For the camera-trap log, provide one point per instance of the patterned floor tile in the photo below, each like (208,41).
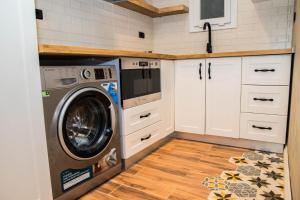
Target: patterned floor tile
(222,195)
(249,170)
(259,175)
(253,156)
(215,183)
(233,176)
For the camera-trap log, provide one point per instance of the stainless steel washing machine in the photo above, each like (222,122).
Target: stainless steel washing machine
(81,116)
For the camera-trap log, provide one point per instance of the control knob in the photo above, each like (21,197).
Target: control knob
(86,74)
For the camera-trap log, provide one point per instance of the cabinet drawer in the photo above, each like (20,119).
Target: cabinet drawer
(265,99)
(141,139)
(267,128)
(267,70)
(139,117)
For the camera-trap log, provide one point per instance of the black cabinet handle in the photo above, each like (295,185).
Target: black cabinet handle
(143,73)
(200,71)
(209,70)
(262,99)
(264,70)
(262,128)
(145,116)
(146,138)
(150,73)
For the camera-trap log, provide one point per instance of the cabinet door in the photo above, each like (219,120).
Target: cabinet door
(167,100)
(223,94)
(190,96)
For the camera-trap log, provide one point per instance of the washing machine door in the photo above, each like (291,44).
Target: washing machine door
(86,123)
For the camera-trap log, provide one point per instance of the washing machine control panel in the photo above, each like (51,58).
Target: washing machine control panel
(95,73)
(63,77)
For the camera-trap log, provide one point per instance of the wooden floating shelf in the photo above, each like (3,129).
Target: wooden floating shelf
(145,8)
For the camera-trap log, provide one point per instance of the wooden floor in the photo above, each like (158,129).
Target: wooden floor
(173,172)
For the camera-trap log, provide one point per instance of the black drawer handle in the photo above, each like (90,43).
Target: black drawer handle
(264,70)
(263,99)
(262,128)
(146,138)
(145,116)
(209,71)
(200,71)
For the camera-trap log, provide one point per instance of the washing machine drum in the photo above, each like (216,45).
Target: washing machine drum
(86,123)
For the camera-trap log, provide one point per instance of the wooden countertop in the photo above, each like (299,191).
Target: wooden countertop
(85,51)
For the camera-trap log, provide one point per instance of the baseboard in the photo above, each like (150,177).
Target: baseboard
(287,180)
(234,142)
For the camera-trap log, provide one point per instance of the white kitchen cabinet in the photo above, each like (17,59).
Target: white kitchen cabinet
(267,70)
(207,96)
(223,93)
(237,97)
(272,100)
(140,139)
(167,98)
(265,98)
(190,96)
(261,127)
(139,117)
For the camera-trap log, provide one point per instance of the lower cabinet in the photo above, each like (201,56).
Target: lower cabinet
(167,97)
(262,127)
(146,124)
(140,140)
(230,97)
(237,97)
(265,98)
(141,116)
(190,96)
(223,97)
(207,96)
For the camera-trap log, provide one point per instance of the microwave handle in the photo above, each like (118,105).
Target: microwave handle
(143,73)
(150,73)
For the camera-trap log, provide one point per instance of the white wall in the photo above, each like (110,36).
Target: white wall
(24,170)
(93,23)
(262,24)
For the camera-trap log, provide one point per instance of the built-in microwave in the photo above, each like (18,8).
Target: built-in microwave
(140,81)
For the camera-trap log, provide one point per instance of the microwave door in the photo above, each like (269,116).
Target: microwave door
(134,83)
(154,84)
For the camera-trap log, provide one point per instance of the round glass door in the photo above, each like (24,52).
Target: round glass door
(85,125)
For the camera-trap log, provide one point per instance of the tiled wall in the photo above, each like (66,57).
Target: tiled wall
(262,24)
(93,23)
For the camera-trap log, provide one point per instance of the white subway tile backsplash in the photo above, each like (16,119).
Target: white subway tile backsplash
(262,24)
(93,23)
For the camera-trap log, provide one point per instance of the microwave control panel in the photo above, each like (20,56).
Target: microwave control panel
(135,63)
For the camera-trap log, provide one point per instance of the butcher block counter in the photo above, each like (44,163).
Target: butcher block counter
(60,50)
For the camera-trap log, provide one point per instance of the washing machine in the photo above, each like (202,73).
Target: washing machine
(81,116)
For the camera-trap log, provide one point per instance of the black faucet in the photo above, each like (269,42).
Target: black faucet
(209,46)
